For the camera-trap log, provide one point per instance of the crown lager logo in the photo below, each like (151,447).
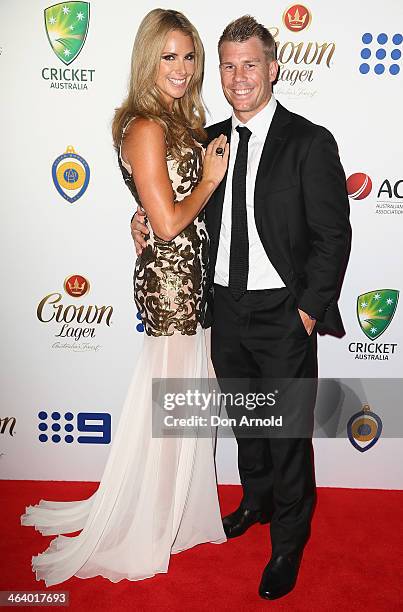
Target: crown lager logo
(375,311)
(67,26)
(364,429)
(71,175)
(297,17)
(79,322)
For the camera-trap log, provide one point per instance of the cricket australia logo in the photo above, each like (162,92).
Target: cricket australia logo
(67,26)
(375,311)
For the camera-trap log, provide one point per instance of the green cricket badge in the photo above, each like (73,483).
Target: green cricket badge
(67,26)
(375,311)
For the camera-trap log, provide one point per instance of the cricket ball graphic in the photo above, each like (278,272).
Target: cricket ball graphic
(359,186)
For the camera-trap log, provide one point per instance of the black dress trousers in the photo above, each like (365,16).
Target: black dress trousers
(261,336)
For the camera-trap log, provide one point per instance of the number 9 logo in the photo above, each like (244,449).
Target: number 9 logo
(85,424)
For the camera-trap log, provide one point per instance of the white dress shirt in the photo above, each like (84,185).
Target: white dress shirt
(262,274)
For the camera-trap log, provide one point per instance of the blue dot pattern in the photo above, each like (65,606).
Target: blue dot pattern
(379,68)
(139,326)
(55,426)
(384,55)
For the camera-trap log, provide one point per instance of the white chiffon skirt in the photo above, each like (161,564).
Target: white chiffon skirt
(157,496)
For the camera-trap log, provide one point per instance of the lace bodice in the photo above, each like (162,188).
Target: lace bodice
(169,276)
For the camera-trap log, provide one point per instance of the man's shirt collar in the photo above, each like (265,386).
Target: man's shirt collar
(260,123)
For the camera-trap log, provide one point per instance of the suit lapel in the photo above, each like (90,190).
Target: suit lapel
(214,208)
(276,136)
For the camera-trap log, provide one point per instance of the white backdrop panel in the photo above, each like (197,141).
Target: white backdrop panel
(47,239)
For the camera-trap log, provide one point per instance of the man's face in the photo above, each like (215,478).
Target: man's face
(246,76)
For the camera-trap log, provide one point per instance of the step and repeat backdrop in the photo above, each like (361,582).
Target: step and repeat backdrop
(70,331)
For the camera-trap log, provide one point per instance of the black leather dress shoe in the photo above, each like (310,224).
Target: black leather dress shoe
(238,522)
(279,576)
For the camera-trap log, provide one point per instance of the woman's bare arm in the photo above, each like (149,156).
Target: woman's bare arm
(144,149)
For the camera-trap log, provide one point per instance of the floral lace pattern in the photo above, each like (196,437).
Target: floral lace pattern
(169,276)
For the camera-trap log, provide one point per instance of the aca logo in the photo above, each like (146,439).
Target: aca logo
(381,54)
(375,311)
(389,194)
(300,59)
(364,429)
(76,322)
(7,424)
(57,427)
(297,17)
(71,175)
(359,186)
(66,26)
(140,324)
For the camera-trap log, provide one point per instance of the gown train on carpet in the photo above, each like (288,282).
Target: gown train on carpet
(157,496)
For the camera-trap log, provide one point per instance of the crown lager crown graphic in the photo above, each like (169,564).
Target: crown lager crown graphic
(76,288)
(297,17)
(76,285)
(297,21)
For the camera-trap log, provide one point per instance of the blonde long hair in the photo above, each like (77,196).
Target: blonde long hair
(144,98)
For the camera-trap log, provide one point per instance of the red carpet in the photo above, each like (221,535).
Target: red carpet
(353,560)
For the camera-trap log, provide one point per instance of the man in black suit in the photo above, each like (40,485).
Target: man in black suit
(280,236)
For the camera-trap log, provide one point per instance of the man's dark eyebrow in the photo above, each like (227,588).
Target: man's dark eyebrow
(247,61)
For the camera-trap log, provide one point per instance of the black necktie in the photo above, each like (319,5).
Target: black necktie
(239,250)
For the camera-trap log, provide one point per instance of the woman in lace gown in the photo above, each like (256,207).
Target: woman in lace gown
(157,495)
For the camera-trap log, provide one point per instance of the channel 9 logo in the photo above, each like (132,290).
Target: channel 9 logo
(381,54)
(84,428)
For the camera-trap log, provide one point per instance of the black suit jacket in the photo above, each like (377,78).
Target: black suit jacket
(301,213)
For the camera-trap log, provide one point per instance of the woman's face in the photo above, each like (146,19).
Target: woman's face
(177,66)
